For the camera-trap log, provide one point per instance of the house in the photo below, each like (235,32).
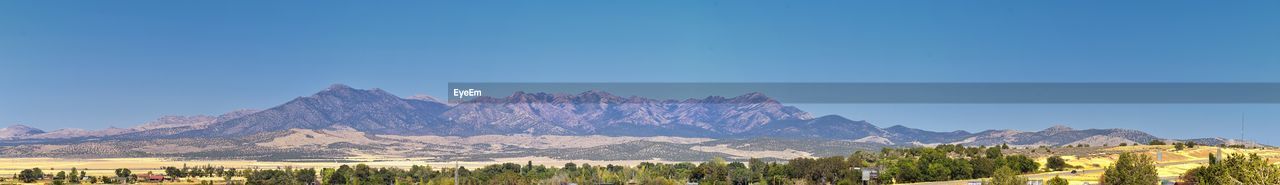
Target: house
(152,177)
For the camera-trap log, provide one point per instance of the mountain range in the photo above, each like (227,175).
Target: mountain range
(377,112)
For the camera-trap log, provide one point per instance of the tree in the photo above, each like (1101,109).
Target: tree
(528,166)
(123,173)
(60,178)
(1057,181)
(861,159)
(340,176)
(937,172)
(305,176)
(570,166)
(1178,146)
(1020,163)
(1130,169)
(228,174)
(1156,142)
(1235,169)
(1056,163)
(74,176)
(268,177)
(173,172)
(994,152)
(1006,176)
(983,167)
(30,175)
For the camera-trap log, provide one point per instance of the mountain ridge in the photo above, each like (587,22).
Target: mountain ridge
(375,111)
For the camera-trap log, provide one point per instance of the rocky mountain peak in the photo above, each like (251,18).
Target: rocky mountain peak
(423,97)
(339,87)
(753,97)
(1057,128)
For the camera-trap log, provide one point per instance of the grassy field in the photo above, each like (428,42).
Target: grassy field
(1172,163)
(1090,161)
(106,167)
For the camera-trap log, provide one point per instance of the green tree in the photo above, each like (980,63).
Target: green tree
(1235,169)
(1020,163)
(173,172)
(74,176)
(937,172)
(268,177)
(60,178)
(340,176)
(994,152)
(123,174)
(1006,176)
(305,176)
(507,178)
(756,165)
(1156,142)
(983,167)
(570,166)
(29,175)
(1056,163)
(1131,169)
(1057,181)
(227,175)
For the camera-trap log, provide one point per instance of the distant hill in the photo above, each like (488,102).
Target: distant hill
(18,131)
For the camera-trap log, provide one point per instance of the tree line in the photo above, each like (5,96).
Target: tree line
(900,165)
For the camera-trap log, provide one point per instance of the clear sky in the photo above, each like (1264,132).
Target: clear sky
(93,64)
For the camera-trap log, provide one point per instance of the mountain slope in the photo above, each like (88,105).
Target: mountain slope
(374,111)
(18,131)
(831,127)
(1057,136)
(901,133)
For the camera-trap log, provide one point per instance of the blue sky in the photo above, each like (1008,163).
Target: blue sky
(93,64)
